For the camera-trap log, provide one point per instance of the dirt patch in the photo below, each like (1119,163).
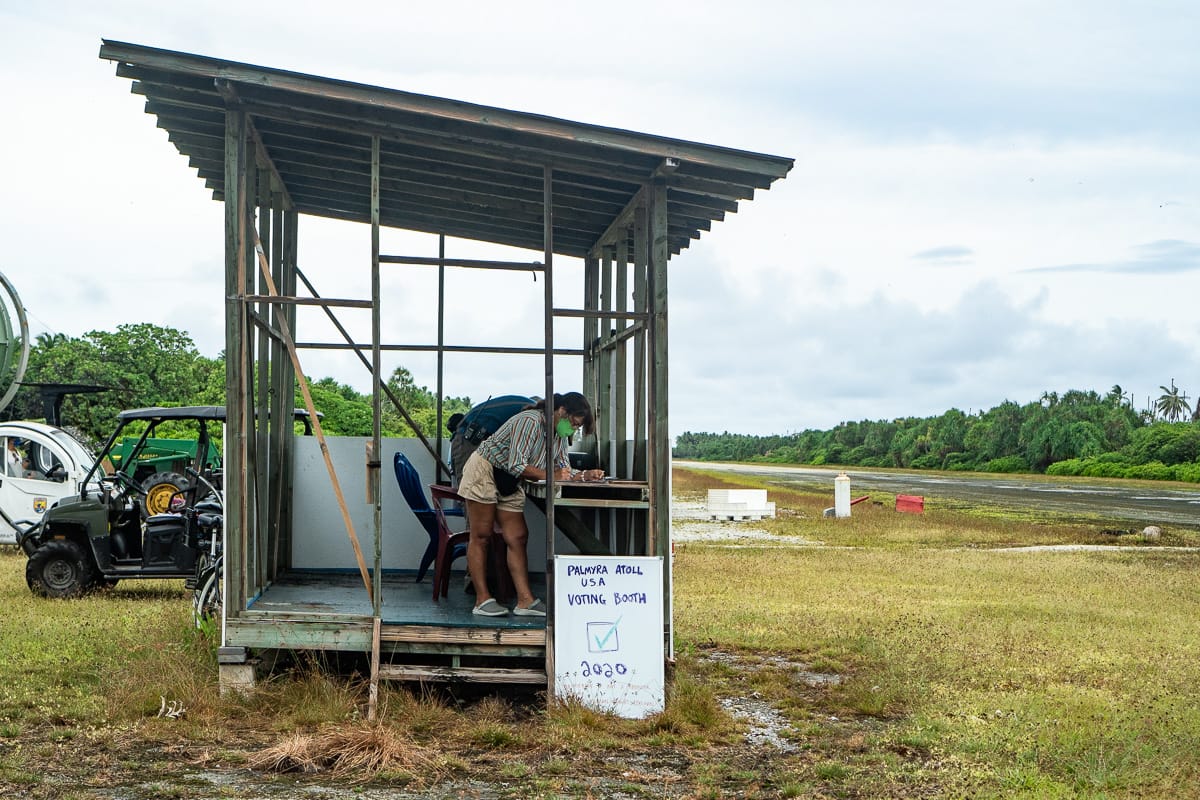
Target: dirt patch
(767,727)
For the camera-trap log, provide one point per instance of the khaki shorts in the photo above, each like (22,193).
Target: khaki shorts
(478,484)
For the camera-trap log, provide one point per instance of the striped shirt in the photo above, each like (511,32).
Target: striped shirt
(521,442)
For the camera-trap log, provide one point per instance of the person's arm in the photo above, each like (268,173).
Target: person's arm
(532,473)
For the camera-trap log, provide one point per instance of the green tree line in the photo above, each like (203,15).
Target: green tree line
(1076,433)
(141,365)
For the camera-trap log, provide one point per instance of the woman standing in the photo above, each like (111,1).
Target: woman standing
(491,485)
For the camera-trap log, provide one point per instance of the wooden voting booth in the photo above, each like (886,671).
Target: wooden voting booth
(318,539)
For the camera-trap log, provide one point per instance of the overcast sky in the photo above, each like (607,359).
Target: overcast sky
(990,199)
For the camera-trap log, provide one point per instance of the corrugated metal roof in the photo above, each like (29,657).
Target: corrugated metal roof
(465,170)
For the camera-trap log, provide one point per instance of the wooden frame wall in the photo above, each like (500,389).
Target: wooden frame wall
(624,364)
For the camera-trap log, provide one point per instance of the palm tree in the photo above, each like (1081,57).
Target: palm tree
(45,341)
(1172,405)
(1117,396)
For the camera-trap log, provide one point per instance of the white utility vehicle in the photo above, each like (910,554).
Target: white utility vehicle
(42,463)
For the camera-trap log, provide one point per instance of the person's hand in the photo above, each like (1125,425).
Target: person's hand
(563,474)
(591,475)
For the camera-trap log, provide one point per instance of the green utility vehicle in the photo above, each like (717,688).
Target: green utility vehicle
(117,526)
(103,534)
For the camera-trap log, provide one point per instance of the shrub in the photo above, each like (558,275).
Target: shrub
(855,455)
(1188,472)
(960,461)
(1185,448)
(1097,469)
(1007,464)
(1069,466)
(1154,471)
(927,461)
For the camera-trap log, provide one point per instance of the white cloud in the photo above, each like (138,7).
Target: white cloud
(1163,256)
(879,359)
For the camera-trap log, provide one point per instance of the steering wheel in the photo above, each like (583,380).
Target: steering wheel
(123,482)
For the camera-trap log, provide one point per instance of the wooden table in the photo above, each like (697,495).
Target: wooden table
(595,498)
(596,494)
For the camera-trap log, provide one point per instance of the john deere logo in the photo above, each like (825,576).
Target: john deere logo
(39,505)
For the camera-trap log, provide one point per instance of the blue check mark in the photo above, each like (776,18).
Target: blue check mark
(601,642)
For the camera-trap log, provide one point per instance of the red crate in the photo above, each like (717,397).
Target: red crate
(910,503)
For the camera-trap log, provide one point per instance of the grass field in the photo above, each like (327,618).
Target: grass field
(949,669)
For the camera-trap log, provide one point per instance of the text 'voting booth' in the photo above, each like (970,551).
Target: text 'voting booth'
(608,633)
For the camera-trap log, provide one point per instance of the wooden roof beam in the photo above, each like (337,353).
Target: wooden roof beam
(261,156)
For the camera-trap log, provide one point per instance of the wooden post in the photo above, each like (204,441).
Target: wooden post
(373,689)
(604,398)
(247,355)
(548,256)
(441,350)
(620,360)
(660,440)
(641,251)
(591,327)
(287,379)
(235,368)
(280,401)
(639,534)
(373,463)
(262,399)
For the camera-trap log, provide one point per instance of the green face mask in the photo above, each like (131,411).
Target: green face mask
(564,428)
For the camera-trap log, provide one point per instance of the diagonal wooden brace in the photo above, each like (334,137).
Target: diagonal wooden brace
(286,336)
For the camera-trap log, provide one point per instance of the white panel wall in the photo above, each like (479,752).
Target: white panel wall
(319,539)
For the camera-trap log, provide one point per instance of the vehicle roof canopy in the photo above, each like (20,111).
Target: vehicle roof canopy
(159,413)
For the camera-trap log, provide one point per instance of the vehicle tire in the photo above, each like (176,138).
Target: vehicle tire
(158,489)
(59,568)
(207,600)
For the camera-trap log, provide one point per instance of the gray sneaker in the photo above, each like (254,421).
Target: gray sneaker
(536,609)
(490,608)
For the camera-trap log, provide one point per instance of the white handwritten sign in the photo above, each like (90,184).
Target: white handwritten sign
(608,633)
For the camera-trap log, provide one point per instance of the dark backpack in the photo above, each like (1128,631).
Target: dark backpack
(481,422)
(484,419)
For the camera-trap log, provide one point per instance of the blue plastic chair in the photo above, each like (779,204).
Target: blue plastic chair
(414,493)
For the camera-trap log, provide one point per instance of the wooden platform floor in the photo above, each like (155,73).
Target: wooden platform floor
(404,601)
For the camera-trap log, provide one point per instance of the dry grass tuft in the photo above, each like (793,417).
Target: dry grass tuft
(294,754)
(492,709)
(362,750)
(418,712)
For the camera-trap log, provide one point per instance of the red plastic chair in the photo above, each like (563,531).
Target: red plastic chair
(410,486)
(448,540)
